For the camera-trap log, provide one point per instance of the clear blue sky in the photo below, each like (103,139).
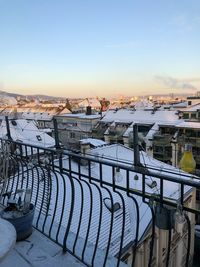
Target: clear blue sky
(99,47)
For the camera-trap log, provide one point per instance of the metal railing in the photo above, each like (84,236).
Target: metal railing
(80,206)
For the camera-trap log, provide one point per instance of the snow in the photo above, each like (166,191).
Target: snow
(89,208)
(125,155)
(81,116)
(189,124)
(193,108)
(180,105)
(152,131)
(92,141)
(141,116)
(38,251)
(7,237)
(27,132)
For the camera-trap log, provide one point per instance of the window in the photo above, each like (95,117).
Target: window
(39,138)
(198,195)
(14,123)
(193,115)
(185,115)
(72,135)
(189,103)
(158,149)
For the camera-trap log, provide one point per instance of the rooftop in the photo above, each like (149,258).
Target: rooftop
(141,116)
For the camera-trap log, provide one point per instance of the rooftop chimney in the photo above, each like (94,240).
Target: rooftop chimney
(88,110)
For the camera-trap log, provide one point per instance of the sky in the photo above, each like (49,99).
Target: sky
(87,48)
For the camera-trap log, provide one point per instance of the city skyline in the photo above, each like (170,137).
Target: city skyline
(99,48)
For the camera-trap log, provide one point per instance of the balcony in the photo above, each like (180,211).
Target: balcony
(162,139)
(84,210)
(195,141)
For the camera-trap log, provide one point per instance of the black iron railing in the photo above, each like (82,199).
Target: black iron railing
(80,205)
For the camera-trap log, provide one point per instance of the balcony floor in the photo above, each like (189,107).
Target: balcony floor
(38,251)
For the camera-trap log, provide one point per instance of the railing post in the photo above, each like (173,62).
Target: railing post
(136,145)
(57,143)
(55,125)
(8,128)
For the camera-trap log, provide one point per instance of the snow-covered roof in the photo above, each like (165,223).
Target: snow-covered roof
(92,141)
(143,105)
(90,218)
(44,113)
(188,124)
(81,116)
(27,132)
(180,105)
(193,108)
(37,116)
(121,154)
(152,131)
(141,116)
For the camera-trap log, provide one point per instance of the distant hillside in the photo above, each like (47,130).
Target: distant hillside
(41,97)
(3,93)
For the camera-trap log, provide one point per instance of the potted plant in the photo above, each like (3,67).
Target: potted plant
(19,211)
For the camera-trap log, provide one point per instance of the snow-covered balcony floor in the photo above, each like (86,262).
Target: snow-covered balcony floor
(38,251)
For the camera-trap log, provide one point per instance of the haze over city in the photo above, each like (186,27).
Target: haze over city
(99,48)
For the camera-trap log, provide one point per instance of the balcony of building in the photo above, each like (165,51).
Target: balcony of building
(162,139)
(100,213)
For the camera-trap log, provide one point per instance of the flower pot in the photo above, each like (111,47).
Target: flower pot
(22,222)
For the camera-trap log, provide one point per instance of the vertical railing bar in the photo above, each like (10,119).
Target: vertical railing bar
(112,216)
(71,208)
(81,208)
(182,194)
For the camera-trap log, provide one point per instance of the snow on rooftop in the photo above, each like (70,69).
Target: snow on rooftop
(152,131)
(143,105)
(188,124)
(180,105)
(141,116)
(92,141)
(27,132)
(193,108)
(88,200)
(120,153)
(81,116)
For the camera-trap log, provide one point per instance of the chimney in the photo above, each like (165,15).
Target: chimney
(85,147)
(88,110)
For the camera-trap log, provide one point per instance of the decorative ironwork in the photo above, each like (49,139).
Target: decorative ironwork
(70,206)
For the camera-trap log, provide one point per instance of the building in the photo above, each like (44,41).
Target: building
(25,131)
(74,127)
(95,212)
(120,123)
